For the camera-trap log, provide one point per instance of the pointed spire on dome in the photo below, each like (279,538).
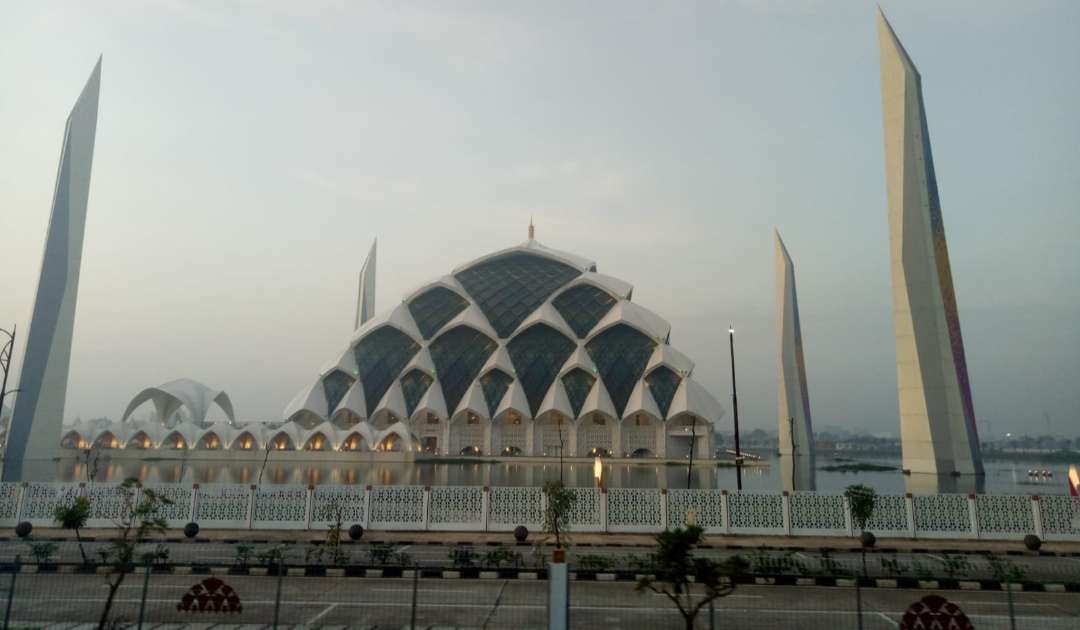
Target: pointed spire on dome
(532,229)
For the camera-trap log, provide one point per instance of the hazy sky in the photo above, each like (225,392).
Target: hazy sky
(248,152)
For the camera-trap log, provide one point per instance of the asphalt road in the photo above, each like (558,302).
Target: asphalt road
(43,600)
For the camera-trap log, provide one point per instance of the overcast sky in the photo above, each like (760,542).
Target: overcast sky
(248,153)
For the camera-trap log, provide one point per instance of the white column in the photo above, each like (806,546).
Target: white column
(785,511)
(1036,516)
(909,508)
(558,592)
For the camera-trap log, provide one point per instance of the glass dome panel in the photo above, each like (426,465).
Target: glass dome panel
(537,354)
(459,353)
(663,383)
(495,383)
(335,386)
(434,307)
(380,357)
(620,354)
(578,384)
(508,288)
(413,385)
(582,307)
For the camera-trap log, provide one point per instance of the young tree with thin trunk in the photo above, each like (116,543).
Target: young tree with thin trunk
(139,522)
(560,500)
(690,583)
(74,517)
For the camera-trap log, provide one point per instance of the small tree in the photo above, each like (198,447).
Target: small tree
(862,499)
(74,517)
(139,522)
(560,500)
(678,571)
(266,459)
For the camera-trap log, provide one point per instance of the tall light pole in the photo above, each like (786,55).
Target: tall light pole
(735,409)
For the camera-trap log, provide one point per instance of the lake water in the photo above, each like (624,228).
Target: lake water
(1002,477)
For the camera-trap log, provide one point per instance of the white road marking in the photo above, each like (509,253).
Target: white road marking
(319,616)
(889,619)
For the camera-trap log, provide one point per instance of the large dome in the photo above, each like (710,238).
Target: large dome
(502,355)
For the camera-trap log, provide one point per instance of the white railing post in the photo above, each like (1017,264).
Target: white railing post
(973,516)
(251,505)
(664,509)
(310,507)
(909,509)
(1036,515)
(19,504)
(603,509)
(785,511)
(725,513)
(425,508)
(194,503)
(485,508)
(367,507)
(849,523)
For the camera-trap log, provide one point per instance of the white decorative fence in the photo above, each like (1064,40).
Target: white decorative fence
(641,510)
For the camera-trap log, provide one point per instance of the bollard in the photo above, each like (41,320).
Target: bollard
(558,592)
(145,588)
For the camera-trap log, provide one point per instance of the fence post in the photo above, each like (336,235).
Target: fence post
(277,597)
(973,516)
(367,507)
(725,512)
(19,505)
(194,509)
(425,508)
(251,506)
(1036,515)
(849,524)
(415,588)
(11,591)
(909,509)
(664,517)
(485,507)
(785,511)
(310,507)
(603,509)
(145,588)
(558,592)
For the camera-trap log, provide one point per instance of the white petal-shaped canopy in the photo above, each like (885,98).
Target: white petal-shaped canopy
(515,400)
(431,402)
(546,314)
(393,402)
(556,401)
(312,399)
(637,317)
(692,397)
(184,393)
(598,400)
(580,359)
(354,400)
(664,354)
(641,401)
(473,401)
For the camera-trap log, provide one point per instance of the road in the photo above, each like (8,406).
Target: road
(42,600)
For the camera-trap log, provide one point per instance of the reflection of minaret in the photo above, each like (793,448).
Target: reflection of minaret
(795,430)
(39,407)
(937,417)
(365,300)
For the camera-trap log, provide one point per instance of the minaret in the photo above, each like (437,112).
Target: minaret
(796,434)
(365,299)
(937,417)
(34,436)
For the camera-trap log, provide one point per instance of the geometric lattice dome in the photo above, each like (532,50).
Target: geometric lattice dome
(505,352)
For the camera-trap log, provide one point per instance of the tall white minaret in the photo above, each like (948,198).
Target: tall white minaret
(937,415)
(34,435)
(796,432)
(365,299)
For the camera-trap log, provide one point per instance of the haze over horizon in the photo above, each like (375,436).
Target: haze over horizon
(248,154)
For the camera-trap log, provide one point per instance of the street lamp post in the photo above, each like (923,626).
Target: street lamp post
(735,409)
